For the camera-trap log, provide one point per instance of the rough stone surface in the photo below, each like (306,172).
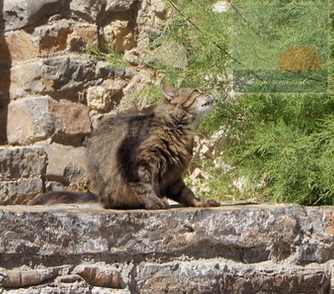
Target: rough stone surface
(246,249)
(21,45)
(26,79)
(20,13)
(58,79)
(21,162)
(52,90)
(20,191)
(65,163)
(106,96)
(119,35)
(74,117)
(21,171)
(29,120)
(65,35)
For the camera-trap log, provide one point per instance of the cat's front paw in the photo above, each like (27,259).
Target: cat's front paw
(212,203)
(156,204)
(208,203)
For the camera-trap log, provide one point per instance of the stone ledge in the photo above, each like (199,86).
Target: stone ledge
(285,248)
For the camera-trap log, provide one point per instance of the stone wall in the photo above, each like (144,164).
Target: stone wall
(242,250)
(52,93)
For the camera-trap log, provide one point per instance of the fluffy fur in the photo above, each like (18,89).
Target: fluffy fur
(135,161)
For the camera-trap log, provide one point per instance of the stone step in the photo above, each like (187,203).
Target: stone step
(232,249)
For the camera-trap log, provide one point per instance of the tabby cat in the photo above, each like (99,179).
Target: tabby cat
(137,161)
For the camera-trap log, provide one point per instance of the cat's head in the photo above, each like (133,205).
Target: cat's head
(193,101)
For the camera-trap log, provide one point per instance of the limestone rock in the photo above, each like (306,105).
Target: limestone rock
(210,276)
(37,118)
(119,5)
(29,120)
(17,278)
(61,77)
(65,163)
(99,98)
(26,79)
(20,191)
(73,117)
(20,13)
(244,234)
(87,9)
(67,72)
(102,277)
(64,35)
(21,45)
(106,96)
(119,35)
(90,10)
(22,162)
(250,249)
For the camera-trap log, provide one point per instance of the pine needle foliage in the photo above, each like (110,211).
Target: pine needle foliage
(279,145)
(196,28)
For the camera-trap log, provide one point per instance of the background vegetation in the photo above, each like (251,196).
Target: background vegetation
(273,146)
(273,143)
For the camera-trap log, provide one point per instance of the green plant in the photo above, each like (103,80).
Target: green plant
(112,56)
(279,146)
(151,92)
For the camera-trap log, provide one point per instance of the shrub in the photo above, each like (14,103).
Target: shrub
(279,146)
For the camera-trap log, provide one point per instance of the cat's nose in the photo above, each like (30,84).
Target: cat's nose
(211,99)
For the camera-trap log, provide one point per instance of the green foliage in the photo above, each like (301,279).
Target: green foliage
(287,146)
(269,28)
(112,56)
(280,146)
(151,92)
(195,27)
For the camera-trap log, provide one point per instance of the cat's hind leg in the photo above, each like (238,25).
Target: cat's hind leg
(144,191)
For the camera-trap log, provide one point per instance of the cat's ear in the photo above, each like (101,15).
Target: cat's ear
(169,92)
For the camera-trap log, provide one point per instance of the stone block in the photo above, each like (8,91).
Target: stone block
(73,117)
(20,191)
(106,96)
(60,77)
(67,72)
(65,163)
(22,162)
(18,278)
(29,120)
(87,9)
(37,118)
(100,276)
(26,79)
(20,13)
(64,35)
(119,5)
(21,46)
(83,36)
(195,251)
(91,9)
(222,276)
(119,35)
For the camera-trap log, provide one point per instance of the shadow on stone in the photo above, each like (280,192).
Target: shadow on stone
(5,65)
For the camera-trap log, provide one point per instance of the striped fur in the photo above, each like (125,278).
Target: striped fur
(135,161)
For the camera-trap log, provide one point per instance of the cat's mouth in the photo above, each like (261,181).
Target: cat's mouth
(208,102)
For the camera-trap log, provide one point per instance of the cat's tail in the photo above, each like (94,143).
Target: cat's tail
(63,197)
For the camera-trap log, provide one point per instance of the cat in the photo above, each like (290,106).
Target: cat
(136,161)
